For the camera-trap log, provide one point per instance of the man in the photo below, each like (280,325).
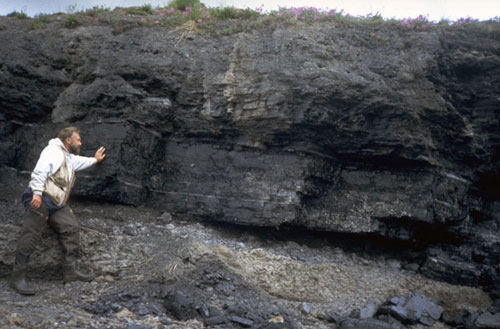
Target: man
(45,201)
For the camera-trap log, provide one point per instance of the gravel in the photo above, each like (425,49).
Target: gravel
(137,254)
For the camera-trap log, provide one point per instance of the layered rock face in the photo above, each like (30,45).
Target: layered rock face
(367,129)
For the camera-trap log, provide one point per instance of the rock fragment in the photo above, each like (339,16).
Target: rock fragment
(305,308)
(241,321)
(416,309)
(487,320)
(371,323)
(368,311)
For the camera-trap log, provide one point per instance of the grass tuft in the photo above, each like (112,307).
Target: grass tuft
(19,15)
(143,10)
(228,13)
(96,10)
(71,21)
(182,5)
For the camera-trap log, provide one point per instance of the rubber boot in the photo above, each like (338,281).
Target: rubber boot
(18,282)
(71,273)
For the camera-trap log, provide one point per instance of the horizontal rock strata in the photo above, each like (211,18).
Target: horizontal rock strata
(366,129)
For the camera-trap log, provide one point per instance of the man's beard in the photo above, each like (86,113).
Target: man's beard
(74,149)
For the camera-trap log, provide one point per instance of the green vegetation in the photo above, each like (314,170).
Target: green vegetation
(144,10)
(227,13)
(117,24)
(375,18)
(20,15)
(96,10)
(40,22)
(191,16)
(43,18)
(71,21)
(37,26)
(183,4)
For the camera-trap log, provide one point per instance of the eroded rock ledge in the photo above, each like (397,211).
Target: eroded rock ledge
(370,129)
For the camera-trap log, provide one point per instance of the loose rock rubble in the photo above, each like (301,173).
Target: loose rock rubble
(160,271)
(416,309)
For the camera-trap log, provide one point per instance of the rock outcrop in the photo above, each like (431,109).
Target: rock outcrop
(365,129)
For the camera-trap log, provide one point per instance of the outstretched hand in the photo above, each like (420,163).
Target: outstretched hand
(99,154)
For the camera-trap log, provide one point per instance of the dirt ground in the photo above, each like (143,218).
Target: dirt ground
(141,256)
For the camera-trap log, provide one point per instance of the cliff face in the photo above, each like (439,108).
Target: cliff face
(370,129)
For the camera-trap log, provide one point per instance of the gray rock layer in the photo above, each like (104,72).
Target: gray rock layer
(357,128)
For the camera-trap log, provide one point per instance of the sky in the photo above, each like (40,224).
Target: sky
(435,10)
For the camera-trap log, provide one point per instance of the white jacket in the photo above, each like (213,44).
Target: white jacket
(51,159)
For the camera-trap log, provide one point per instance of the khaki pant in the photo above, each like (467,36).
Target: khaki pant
(63,222)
